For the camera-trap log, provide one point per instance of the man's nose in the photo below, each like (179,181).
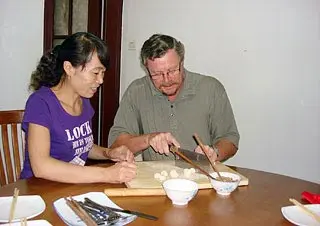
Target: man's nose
(165,76)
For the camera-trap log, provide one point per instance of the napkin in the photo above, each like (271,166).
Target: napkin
(312,198)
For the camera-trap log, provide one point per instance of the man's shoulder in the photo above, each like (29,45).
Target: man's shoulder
(204,80)
(139,82)
(138,85)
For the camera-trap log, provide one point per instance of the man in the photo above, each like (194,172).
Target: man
(170,104)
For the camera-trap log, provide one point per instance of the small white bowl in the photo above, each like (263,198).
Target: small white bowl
(225,188)
(180,191)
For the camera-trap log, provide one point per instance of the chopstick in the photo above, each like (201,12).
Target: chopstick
(13,204)
(174,149)
(305,209)
(77,209)
(205,152)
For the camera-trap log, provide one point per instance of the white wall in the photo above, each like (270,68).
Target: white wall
(21,44)
(266,53)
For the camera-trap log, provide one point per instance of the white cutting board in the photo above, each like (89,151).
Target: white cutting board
(147,169)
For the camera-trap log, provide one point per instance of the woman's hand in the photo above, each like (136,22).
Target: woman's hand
(121,172)
(121,153)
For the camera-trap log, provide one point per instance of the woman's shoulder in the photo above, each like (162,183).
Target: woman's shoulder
(43,99)
(44,93)
(39,108)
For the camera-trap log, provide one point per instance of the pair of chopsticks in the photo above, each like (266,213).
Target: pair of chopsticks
(13,204)
(77,209)
(175,150)
(306,210)
(205,152)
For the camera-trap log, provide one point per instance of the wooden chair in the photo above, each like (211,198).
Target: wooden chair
(12,149)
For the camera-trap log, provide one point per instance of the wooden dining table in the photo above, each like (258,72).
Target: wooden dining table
(259,203)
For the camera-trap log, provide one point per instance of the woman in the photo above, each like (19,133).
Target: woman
(57,120)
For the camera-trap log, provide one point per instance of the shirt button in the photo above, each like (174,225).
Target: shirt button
(172,114)
(171,106)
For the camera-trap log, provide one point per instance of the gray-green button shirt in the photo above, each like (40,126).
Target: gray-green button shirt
(202,106)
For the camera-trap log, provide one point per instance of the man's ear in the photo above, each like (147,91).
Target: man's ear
(68,68)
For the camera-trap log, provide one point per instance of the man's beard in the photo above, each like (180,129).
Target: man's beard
(169,85)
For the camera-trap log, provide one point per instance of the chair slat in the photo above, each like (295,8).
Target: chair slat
(2,172)
(10,160)
(16,153)
(7,154)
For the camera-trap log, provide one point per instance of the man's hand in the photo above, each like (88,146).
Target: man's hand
(121,153)
(210,152)
(160,142)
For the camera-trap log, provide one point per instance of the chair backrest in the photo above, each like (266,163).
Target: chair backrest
(12,148)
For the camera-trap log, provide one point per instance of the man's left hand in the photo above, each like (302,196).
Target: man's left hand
(210,152)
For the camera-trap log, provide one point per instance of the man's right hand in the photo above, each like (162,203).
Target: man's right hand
(160,142)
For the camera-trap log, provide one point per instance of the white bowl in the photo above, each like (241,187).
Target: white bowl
(180,191)
(225,188)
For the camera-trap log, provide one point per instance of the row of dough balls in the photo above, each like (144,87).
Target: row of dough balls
(187,173)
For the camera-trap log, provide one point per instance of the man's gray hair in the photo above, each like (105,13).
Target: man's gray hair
(158,45)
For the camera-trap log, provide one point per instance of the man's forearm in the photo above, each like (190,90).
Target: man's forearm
(226,149)
(134,143)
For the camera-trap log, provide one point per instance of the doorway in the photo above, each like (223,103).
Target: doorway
(104,19)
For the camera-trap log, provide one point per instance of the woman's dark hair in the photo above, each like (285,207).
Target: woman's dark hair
(77,49)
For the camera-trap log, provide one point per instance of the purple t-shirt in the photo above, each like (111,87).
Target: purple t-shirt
(71,137)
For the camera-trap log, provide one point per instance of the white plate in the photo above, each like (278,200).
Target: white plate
(27,206)
(71,219)
(30,223)
(297,216)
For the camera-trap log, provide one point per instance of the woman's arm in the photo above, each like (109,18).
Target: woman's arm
(44,166)
(98,152)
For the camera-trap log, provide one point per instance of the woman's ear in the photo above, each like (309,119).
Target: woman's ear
(68,68)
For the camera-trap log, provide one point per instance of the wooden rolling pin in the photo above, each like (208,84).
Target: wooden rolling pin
(134,191)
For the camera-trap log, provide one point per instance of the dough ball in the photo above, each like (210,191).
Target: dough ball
(164,173)
(187,173)
(157,175)
(162,178)
(173,174)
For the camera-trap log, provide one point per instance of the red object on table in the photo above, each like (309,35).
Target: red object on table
(310,197)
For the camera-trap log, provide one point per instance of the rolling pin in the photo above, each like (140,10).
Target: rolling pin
(134,191)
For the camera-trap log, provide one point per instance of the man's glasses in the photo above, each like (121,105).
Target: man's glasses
(159,75)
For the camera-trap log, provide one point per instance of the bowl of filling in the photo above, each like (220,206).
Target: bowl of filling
(227,184)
